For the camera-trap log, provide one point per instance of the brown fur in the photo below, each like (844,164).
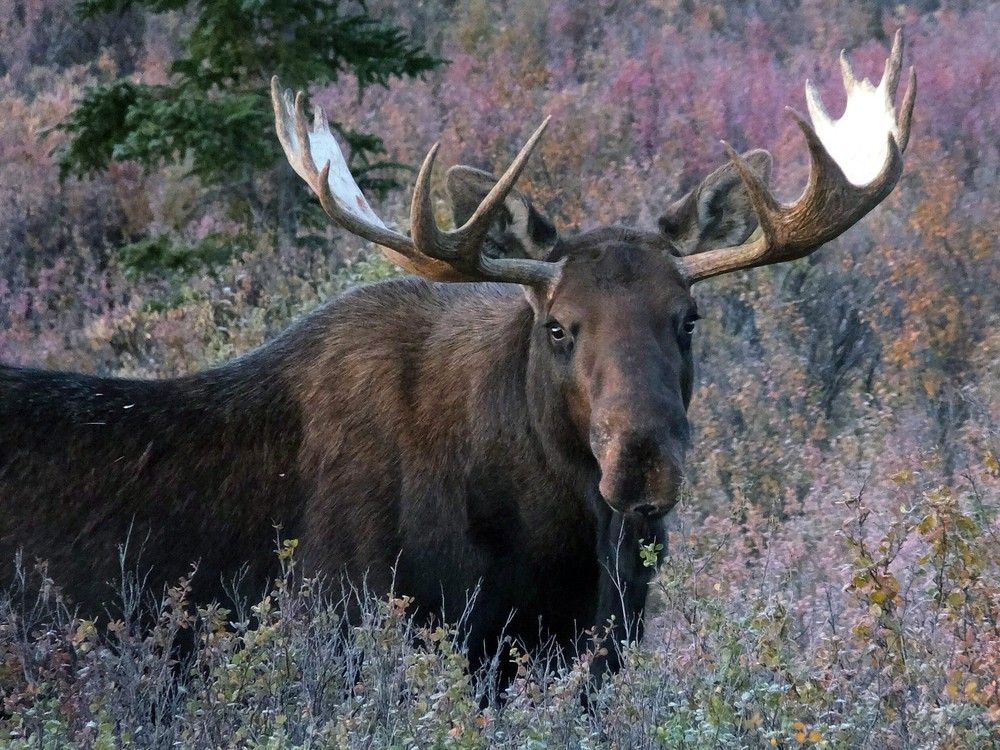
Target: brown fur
(432,432)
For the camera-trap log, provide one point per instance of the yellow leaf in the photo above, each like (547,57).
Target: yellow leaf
(970,689)
(992,465)
(902,477)
(931,381)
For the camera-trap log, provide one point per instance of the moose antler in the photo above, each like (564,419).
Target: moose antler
(435,254)
(854,164)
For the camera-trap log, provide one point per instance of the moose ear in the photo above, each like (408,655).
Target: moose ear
(519,231)
(718,212)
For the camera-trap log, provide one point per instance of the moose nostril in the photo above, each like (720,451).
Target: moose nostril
(646,509)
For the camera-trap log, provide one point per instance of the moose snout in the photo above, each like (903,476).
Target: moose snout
(641,472)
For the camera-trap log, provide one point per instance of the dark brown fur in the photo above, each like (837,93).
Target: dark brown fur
(434,430)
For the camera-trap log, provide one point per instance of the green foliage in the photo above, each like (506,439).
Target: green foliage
(224,135)
(649,553)
(98,125)
(160,254)
(215,112)
(234,42)
(366,270)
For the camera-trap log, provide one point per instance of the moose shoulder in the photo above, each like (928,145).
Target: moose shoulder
(514,420)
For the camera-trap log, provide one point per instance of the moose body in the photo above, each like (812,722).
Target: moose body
(394,431)
(513,423)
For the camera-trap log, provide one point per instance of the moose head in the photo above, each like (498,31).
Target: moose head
(609,367)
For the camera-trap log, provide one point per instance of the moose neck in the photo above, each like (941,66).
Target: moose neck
(480,360)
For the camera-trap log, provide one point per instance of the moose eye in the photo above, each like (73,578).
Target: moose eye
(687,330)
(556,331)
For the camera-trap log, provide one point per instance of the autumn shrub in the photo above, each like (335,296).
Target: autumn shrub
(895,646)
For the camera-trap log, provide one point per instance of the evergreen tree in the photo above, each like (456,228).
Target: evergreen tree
(215,113)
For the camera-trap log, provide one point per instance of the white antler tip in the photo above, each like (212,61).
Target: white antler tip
(321,124)
(857,140)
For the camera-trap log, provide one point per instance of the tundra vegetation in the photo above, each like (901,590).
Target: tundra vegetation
(830,577)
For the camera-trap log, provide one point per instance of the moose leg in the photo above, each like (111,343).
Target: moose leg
(624,583)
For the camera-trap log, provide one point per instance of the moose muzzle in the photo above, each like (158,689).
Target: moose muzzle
(642,465)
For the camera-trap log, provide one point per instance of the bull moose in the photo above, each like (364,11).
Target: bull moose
(512,416)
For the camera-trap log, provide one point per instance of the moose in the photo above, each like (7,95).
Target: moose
(512,416)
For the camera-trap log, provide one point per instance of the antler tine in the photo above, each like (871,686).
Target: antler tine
(347,206)
(847,73)
(905,118)
(423,225)
(855,162)
(893,63)
(463,247)
(442,256)
(890,83)
(483,216)
(337,190)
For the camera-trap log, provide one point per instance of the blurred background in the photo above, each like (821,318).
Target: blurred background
(846,407)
